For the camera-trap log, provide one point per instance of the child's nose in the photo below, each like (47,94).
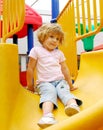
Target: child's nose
(55,39)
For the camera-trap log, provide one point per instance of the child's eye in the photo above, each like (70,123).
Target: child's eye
(54,37)
(51,36)
(57,39)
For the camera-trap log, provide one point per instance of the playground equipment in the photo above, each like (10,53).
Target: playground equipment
(19,108)
(10,13)
(88,42)
(75,13)
(31,23)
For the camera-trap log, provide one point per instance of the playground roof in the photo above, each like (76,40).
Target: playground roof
(31,17)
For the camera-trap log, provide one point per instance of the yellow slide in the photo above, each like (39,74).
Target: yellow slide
(19,108)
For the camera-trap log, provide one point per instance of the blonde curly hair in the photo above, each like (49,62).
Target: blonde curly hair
(50,28)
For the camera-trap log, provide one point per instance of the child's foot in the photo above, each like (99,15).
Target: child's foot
(72,109)
(47,120)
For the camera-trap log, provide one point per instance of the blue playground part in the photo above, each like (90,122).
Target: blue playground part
(30,37)
(55,8)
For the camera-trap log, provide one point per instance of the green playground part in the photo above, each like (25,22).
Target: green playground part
(88,42)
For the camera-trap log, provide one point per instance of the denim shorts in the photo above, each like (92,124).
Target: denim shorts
(50,91)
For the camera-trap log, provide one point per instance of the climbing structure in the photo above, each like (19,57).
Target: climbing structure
(19,108)
(77,12)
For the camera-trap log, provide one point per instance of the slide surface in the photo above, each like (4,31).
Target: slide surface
(19,108)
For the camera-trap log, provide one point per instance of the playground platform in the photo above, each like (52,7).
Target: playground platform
(19,108)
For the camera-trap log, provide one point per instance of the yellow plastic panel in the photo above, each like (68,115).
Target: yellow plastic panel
(75,13)
(90,78)
(19,108)
(89,119)
(69,45)
(13,17)
(90,83)
(9,81)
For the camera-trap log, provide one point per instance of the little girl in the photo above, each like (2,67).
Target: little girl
(53,77)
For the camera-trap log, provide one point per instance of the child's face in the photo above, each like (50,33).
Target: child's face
(51,42)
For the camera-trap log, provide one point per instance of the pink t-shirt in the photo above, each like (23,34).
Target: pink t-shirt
(48,67)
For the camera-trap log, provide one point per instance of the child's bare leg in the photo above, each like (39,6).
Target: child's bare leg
(48,118)
(47,107)
(71,101)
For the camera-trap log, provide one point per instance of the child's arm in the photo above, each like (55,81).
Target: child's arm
(67,76)
(30,74)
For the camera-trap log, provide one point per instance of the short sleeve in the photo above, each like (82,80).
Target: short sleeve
(34,53)
(62,57)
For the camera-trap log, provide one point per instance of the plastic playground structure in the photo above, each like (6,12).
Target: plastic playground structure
(19,108)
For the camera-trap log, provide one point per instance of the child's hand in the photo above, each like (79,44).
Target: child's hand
(73,88)
(30,89)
